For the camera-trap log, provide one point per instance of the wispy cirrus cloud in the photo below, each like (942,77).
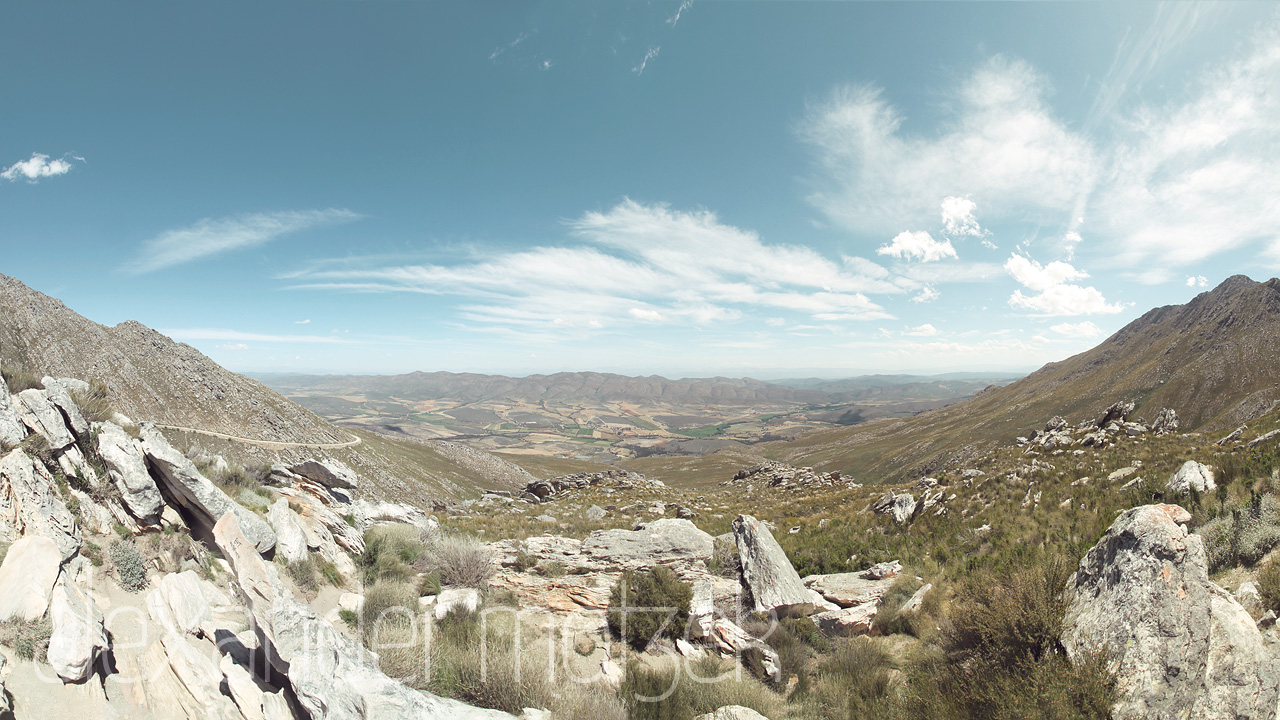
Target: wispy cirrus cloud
(636,263)
(39,166)
(649,54)
(212,236)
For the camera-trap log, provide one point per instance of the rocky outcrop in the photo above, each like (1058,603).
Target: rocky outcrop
(193,491)
(330,473)
(332,676)
(755,655)
(57,393)
(1166,422)
(1181,646)
(850,621)
(377,513)
(78,633)
(12,430)
(1191,476)
(900,505)
(29,505)
(619,479)
(127,468)
(850,589)
(1118,412)
(766,571)
(781,475)
(27,576)
(291,542)
(43,418)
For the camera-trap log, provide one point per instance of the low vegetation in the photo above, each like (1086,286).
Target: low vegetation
(28,638)
(131,574)
(648,605)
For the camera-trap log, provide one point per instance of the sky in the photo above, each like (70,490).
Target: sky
(766,189)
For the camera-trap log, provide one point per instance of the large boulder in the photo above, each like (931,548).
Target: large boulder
(291,542)
(193,491)
(1181,646)
(127,468)
(58,393)
(43,418)
(850,589)
(1191,476)
(847,622)
(78,633)
(775,586)
(329,473)
(29,504)
(27,576)
(332,676)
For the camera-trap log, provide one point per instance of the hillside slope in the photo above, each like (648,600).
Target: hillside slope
(1212,360)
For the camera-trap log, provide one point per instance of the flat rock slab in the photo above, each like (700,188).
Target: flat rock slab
(849,589)
(665,541)
(329,473)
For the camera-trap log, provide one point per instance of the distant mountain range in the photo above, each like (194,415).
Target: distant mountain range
(1212,360)
(591,386)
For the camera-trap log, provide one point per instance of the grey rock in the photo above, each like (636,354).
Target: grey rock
(882,570)
(57,393)
(914,603)
(595,513)
(127,468)
(43,418)
(27,576)
(29,505)
(1118,412)
(329,473)
(78,633)
(755,655)
(1264,437)
(387,512)
(732,712)
(849,589)
(848,622)
(1232,436)
(1191,476)
(1181,646)
(332,676)
(12,430)
(669,541)
(1166,422)
(291,542)
(187,487)
(766,571)
(466,600)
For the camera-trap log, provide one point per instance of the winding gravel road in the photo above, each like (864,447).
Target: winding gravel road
(263,443)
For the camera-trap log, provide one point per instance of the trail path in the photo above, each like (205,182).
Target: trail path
(263,443)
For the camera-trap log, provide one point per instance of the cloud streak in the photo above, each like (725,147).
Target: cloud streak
(215,236)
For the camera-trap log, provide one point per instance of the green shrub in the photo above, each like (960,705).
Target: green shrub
(350,617)
(92,553)
(647,605)
(888,620)
(1268,583)
(550,568)
(1002,657)
(390,553)
(429,584)
(1242,534)
(788,637)
(28,638)
(130,572)
(667,693)
(854,682)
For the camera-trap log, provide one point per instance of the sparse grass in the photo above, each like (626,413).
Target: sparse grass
(29,639)
(95,404)
(459,561)
(667,693)
(19,380)
(854,682)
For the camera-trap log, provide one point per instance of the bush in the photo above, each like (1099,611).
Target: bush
(1268,583)
(29,639)
(888,620)
(130,572)
(724,559)
(92,553)
(1242,535)
(460,561)
(854,682)
(789,638)
(550,568)
(647,605)
(1002,658)
(666,694)
(391,552)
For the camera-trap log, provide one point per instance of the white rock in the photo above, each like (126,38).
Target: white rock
(1192,475)
(126,467)
(351,602)
(462,599)
(329,473)
(847,622)
(291,541)
(178,603)
(12,431)
(611,673)
(40,415)
(244,691)
(775,586)
(78,634)
(732,712)
(26,578)
(29,504)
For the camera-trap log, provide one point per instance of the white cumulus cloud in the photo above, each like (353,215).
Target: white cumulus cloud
(958,218)
(1084,329)
(918,246)
(925,330)
(37,166)
(1055,295)
(926,294)
(1197,281)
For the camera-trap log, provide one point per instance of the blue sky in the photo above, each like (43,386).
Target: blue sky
(738,188)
